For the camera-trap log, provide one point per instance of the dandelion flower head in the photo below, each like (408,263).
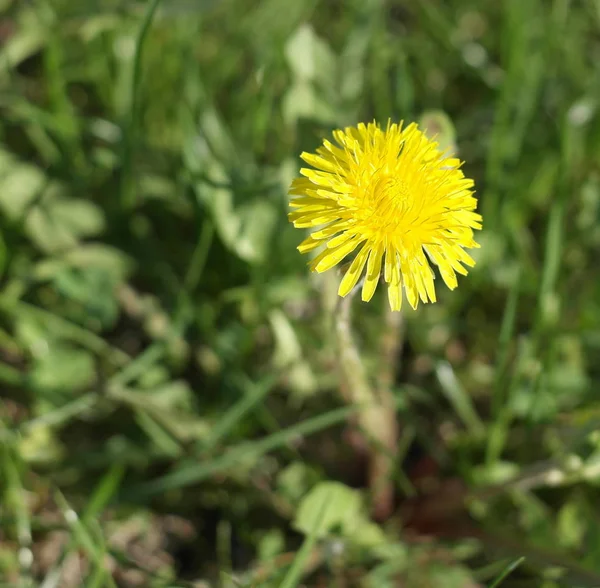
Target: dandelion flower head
(396,201)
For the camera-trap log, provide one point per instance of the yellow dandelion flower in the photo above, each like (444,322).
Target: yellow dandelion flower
(396,198)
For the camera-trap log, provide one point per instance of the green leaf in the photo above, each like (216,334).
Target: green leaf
(303,101)
(114,263)
(344,507)
(271,544)
(20,185)
(58,222)
(447,576)
(308,56)
(38,444)
(498,472)
(288,356)
(174,395)
(345,514)
(295,480)
(313,66)
(29,39)
(245,229)
(62,369)
(257,221)
(572,524)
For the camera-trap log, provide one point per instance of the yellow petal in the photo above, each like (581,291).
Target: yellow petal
(313,206)
(450,258)
(311,219)
(311,201)
(332,229)
(339,154)
(390,261)
(373,271)
(300,185)
(331,257)
(340,137)
(428,280)
(462,255)
(354,271)
(308,245)
(327,179)
(397,185)
(446,270)
(419,277)
(408,277)
(339,240)
(320,162)
(448,275)
(395,296)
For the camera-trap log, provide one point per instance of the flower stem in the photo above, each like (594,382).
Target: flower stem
(377,417)
(382,464)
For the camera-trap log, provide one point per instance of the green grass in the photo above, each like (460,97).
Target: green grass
(170,407)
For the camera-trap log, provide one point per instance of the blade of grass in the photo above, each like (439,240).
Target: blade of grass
(15,500)
(60,103)
(510,568)
(507,330)
(199,255)
(66,329)
(162,439)
(11,375)
(549,302)
(151,575)
(458,397)
(576,573)
(495,439)
(103,493)
(198,472)
(155,352)
(128,192)
(523,66)
(501,426)
(255,393)
(83,539)
(64,413)
(552,262)
(138,366)
(160,425)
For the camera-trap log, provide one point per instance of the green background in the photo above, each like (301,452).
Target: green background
(169,401)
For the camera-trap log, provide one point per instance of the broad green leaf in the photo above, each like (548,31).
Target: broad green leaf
(115,263)
(345,514)
(20,185)
(572,523)
(58,222)
(257,223)
(302,100)
(271,544)
(62,370)
(294,481)
(288,355)
(344,507)
(30,38)
(308,56)
(38,444)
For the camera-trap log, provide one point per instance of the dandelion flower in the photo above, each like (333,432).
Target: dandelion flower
(396,200)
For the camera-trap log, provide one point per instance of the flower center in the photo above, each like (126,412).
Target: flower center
(391,195)
(387,200)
